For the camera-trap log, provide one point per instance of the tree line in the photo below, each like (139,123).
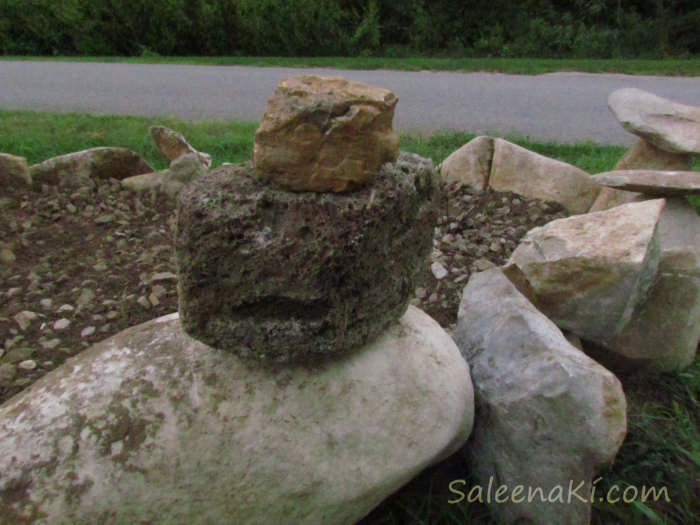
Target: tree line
(506,28)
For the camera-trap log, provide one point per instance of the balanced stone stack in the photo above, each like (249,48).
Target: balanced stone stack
(293,276)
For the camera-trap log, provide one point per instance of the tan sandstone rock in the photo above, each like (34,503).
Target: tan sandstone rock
(646,156)
(589,272)
(470,164)
(152,426)
(172,145)
(522,171)
(325,134)
(652,182)
(666,124)
(13,172)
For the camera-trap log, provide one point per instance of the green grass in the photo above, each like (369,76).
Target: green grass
(525,66)
(663,443)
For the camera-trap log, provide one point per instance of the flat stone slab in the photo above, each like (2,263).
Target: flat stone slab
(294,276)
(666,124)
(652,182)
(152,426)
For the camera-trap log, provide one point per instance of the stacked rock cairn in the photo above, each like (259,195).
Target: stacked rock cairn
(315,247)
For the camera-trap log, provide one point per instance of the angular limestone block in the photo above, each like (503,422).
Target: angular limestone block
(547,415)
(589,272)
(470,164)
(652,182)
(522,171)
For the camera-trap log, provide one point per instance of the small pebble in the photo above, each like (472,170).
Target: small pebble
(50,344)
(66,308)
(24,318)
(29,364)
(143,302)
(88,330)
(46,303)
(61,324)
(439,271)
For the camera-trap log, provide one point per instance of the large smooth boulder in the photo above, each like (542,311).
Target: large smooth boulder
(666,124)
(532,175)
(547,416)
(470,164)
(285,276)
(589,272)
(76,169)
(325,134)
(152,426)
(664,331)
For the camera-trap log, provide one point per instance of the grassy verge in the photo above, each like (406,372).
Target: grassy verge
(662,448)
(525,66)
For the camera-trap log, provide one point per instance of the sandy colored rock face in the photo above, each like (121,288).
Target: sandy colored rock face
(470,164)
(325,134)
(547,414)
(666,124)
(174,431)
(295,276)
(652,182)
(522,171)
(589,272)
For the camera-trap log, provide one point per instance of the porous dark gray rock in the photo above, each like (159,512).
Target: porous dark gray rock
(265,272)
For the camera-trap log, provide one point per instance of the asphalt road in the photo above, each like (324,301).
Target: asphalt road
(564,107)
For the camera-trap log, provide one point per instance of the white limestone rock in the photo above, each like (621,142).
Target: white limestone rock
(152,426)
(547,415)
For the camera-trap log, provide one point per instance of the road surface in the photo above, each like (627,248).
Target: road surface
(562,107)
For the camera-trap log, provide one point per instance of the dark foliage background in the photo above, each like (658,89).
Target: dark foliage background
(530,28)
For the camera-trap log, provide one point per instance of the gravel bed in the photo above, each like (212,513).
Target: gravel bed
(79,265)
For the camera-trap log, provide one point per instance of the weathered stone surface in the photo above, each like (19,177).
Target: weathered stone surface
(265,272)
(589,272)
(546,414)
(145,182)
(645,156)
(325,134)
(666,124)
(75,169)
(174,431)
(652,182)
(470,164)
(13,172)
(172,145)
(522,171)
(664,330)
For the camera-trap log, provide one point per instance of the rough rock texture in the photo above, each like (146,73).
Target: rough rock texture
(470,164)
(645,156)
(13,172)
(664,330)
(546,414)
(667,125)
(652,182)
(522,171)
(175,431)
(589,272)
(145,182)
(264,272)
(172,145)
(325,134)
(75,169)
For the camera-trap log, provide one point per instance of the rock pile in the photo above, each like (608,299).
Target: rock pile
(624,280)
(182,431)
